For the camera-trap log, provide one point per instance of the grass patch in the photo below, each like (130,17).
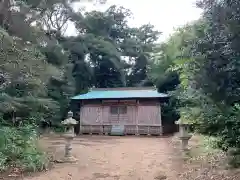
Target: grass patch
(203,145)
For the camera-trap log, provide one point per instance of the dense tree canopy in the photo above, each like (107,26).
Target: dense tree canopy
(106,52)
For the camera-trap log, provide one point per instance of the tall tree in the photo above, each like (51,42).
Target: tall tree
(145,38)
(32,59)
(115,52)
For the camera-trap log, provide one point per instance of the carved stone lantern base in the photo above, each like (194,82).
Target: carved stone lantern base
(69,159)
(185,140)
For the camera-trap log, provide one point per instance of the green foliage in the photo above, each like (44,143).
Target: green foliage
(214,70)
(19,148)
(30,57)
(234,157)
(204,56)
(169,112)
(166,80)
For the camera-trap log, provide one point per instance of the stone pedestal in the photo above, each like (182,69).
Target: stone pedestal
(185,140)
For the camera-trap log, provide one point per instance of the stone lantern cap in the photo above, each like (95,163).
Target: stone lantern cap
(183,123)
(69,120)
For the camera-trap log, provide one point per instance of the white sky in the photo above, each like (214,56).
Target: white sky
(165,15)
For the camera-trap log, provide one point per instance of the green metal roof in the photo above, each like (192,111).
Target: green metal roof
(120,94)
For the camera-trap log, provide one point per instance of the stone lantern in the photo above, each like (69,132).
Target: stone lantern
(69,123)
(184,135)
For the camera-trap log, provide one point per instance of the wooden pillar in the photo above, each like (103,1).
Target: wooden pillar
(80,120)
(148,133)
(90,129)
(160,119)
(101,119)
(80,129)
(118,114)
(136,120)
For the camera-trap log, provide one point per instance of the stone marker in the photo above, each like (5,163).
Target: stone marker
(69,135)
(184,135)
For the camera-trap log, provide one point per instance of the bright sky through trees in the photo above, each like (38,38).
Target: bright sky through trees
(165,15)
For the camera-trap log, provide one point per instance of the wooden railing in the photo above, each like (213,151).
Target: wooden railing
(129,129)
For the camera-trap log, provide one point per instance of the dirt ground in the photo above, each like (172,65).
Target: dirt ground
(129,158)
(114,158)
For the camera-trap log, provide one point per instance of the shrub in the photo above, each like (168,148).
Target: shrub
(19,148)
(234,157)
(223,122)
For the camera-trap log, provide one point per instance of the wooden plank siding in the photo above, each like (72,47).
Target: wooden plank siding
(140,118)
